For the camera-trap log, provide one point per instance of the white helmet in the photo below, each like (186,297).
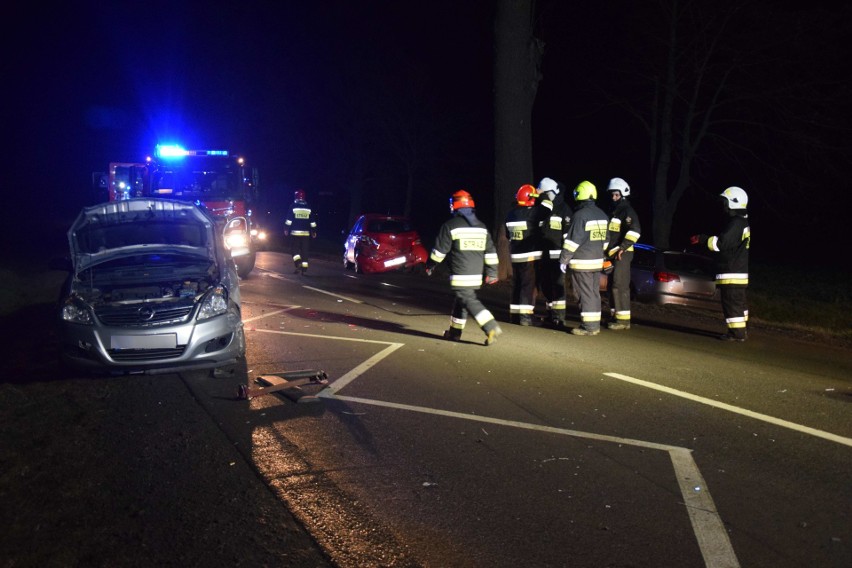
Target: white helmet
(737,197)
(618,184)
(547,184)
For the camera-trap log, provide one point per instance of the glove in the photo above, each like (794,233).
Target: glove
(430,270)
(286,233)
(491,280)
(314,235)
(563,267)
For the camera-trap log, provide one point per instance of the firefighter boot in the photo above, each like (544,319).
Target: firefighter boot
(452,334)
(583,331)
(492,334)
(525,320)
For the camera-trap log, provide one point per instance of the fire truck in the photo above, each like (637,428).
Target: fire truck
(214,179)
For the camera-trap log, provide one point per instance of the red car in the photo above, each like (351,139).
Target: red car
(381,243)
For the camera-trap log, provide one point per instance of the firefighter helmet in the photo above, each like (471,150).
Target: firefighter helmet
(299,195)
(547,184)
(461,199)
(736,197)
(526,195)
(585,190)
(618,184)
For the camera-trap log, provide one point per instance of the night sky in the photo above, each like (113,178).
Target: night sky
(317,94)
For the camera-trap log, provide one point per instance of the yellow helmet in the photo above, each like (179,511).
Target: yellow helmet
(585,190)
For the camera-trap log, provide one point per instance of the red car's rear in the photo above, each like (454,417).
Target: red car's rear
(381,243)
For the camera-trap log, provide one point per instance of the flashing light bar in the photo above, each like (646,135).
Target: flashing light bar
(176,151)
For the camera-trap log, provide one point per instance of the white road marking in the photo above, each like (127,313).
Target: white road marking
(708,527)
(333,294)
(736,410)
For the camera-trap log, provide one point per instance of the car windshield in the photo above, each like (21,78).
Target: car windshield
(388,226)
(97,238)
(688,263)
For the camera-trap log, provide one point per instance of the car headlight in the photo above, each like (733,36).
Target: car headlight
(75,311)
(236,240)
(215,303)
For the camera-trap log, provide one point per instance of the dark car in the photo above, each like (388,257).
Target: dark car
(381,243)
(671,277)
(152,289)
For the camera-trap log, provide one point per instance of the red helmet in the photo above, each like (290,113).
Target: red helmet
(299,195)
(461,199)
(526,195)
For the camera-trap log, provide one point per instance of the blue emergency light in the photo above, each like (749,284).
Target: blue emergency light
(177,151)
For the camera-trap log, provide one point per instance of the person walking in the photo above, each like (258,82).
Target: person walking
(730,248)
(524,237)
(466,240)
(624,232)
(300,226)
(553,216)
(583,252)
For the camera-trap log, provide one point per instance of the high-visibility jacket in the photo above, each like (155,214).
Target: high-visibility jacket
(553,218)
(300,220)
(587,238)
(624,228)
(732,246)
(524,234)
(470,248)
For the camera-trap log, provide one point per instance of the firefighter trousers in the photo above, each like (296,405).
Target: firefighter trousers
(300,248)
(466,302)
(523,289)
(587,288)
(552,284)
(619,287)
(735,309)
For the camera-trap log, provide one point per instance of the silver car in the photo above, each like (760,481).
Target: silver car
(151,290)
(660,276)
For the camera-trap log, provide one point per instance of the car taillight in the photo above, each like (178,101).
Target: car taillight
(666,277)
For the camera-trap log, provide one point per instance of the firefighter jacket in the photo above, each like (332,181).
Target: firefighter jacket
(624,228)
(587,238)
(524,234)
(732,246)
(470,247)
(553,218)
(300,220)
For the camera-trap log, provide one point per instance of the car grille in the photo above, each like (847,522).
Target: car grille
(147,314)
(145,354)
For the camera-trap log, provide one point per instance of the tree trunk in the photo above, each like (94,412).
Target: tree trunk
(516,76)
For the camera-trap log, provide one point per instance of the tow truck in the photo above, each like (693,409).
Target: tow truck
(214,179)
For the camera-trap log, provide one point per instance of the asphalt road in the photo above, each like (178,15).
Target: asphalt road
(660,446)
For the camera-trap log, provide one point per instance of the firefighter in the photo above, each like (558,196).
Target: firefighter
(583,252)
(524,236)
(468,243)
(624,232)
(731,250)
(554,216)
(301,226)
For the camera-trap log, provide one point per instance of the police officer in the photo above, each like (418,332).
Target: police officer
(624,231)
(468,243)
(524,236)
(554,216)
(583,252)
(301,226)
(731,251)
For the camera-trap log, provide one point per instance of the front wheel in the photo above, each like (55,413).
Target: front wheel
(245,264)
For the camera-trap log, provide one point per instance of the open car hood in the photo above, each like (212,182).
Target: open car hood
(123,228)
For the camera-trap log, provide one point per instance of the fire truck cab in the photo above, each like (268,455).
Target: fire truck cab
(213,179)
